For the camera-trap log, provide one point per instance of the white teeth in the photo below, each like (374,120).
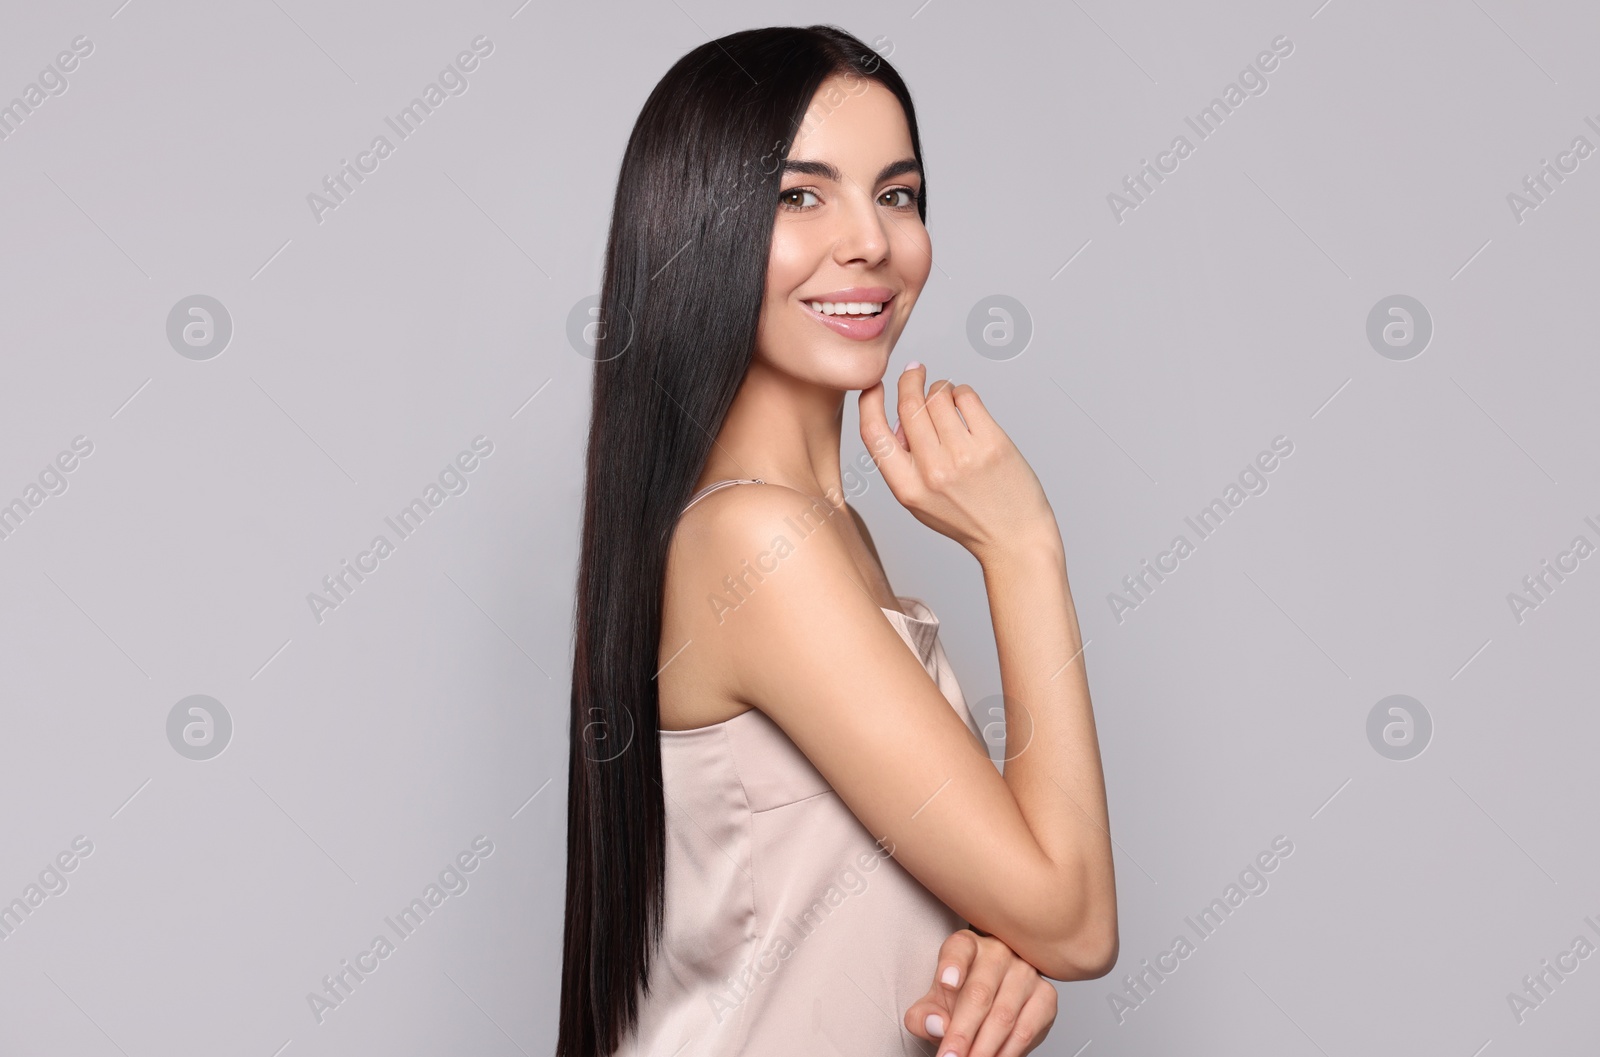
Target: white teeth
(846,308)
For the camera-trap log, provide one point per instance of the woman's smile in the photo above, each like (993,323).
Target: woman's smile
(841,311)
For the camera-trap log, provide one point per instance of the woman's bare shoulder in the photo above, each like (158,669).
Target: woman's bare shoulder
(744,520)
(734,545)
(743,543)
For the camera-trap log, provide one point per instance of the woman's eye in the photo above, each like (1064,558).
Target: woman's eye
(793,198)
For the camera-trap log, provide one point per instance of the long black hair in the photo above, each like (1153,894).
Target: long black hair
(685,272)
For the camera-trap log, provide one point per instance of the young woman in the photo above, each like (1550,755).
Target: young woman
(782,817)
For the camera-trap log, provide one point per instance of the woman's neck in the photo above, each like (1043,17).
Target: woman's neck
(783,430)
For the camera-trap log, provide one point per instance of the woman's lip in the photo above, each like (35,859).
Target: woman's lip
(857,329)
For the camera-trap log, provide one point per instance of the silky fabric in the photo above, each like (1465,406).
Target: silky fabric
(789,929)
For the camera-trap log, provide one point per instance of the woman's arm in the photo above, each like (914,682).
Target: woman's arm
(984,1001)
(1026,857)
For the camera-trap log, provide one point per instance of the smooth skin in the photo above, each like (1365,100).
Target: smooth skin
(1024,857)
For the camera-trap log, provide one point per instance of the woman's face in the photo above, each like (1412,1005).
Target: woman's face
(846,232)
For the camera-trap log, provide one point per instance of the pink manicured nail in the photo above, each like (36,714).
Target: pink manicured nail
(935,1025)
(951,977)
(913,364)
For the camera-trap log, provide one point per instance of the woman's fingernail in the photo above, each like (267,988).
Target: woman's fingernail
(935,1025)
(951,977)
(911,365)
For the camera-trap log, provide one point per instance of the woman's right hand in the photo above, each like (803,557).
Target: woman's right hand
(965,480)
(985,1001)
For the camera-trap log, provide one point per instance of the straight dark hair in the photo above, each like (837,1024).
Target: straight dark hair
(685,272)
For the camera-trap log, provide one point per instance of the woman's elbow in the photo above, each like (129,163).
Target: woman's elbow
(1076,927)
(1088,954)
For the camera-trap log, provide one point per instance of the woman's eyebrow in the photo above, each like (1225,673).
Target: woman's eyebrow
(829,172)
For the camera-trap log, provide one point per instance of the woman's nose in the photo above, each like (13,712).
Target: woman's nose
(861,235)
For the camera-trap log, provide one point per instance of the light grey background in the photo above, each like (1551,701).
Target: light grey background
(430,308)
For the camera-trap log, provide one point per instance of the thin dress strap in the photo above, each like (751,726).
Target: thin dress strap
(708,489)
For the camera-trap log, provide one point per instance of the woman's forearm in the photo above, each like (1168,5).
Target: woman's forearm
(1052,760)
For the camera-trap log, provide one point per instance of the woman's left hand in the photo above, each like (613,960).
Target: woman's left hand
(985,1001)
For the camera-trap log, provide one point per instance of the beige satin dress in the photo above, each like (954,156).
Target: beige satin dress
(789,929)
